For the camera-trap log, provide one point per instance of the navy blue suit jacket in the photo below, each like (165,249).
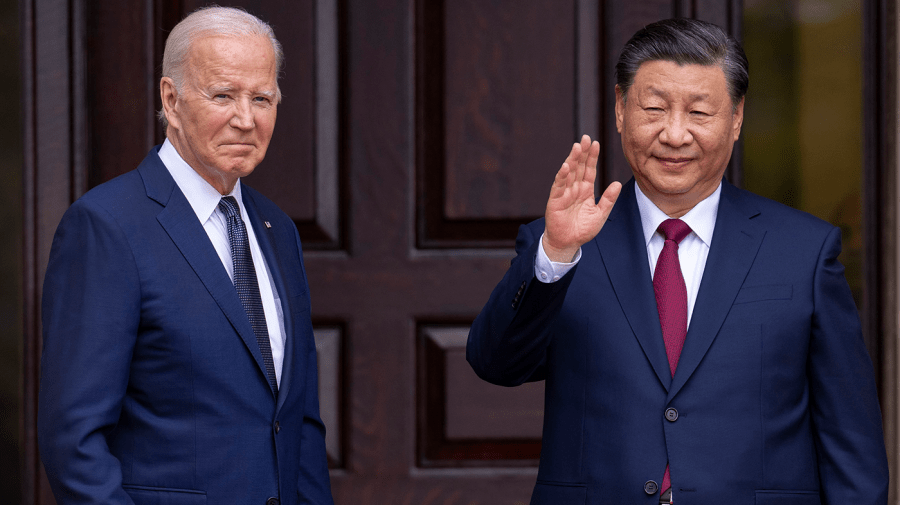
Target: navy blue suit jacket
(152,384)
(774,396)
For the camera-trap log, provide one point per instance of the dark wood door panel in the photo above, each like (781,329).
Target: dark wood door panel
(498,86)
(463,422)
(496,108)
(120,124)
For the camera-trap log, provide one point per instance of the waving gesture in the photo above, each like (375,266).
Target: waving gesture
(572,218)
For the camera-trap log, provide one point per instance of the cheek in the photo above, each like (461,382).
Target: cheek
(265,124)
(641,138)
(218,123)
(211,127)
(715,145)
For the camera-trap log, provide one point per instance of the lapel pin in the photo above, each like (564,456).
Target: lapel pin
(267,224)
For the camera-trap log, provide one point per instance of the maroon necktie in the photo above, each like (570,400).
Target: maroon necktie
(671,298)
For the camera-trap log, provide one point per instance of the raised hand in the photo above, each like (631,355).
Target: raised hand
(572,218)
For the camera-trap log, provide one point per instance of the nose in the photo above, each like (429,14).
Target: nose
(242,118)
(675,132)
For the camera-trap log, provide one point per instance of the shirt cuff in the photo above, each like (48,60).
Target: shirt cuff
(548,271)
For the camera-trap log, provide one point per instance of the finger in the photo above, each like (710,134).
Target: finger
(560,182)
(571,177)
(593,155)
(574,155)
(573,161)
(582,159)
(585,142)
(608,198)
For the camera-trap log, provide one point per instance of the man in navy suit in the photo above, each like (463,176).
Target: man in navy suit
(699,343)
(179,364)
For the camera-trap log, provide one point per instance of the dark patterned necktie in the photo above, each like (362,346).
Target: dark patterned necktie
(671,299)
(245,283)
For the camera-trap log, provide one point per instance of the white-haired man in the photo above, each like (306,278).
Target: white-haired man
(179,364)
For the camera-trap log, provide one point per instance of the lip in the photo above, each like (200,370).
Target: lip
(673,162)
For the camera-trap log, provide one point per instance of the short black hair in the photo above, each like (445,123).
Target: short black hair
(685,42)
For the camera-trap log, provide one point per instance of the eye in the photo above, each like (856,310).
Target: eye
(699,113)
(220,96)
(261,99)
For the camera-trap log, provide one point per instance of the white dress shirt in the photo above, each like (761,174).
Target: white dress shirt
(692,251)
(204,199)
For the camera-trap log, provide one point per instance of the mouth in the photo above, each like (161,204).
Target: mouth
(239,145)
(673,161)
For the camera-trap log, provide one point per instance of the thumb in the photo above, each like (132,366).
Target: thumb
(608,198)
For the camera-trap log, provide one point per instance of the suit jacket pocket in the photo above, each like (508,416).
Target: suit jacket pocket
(149,495)
(559,493)
(779,497)
(763,293)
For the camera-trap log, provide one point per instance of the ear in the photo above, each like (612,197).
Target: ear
(620,108)
(169,97)
(737,119)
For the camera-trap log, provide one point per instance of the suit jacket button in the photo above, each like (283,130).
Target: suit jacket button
(273,501)
(671,415)
(651,487)
(277,429)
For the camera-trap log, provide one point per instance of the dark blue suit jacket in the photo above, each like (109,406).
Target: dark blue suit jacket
(152,384)
(774,396)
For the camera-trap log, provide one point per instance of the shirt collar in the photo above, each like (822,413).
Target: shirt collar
(204,198)
(701,218)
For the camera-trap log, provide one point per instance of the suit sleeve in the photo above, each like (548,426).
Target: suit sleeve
(844,404)
(90,314)
(314,483)
(508,341)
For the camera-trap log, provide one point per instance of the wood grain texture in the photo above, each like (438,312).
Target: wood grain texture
(464,422)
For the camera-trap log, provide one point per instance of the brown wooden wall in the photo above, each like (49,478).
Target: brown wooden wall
(413,139)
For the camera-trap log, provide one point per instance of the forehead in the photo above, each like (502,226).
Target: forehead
(243,55)
(661,77)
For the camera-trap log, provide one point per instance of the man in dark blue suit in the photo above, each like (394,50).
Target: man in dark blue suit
(179,364)
(699,343)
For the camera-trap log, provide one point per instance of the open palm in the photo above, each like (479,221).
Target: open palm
(572,218)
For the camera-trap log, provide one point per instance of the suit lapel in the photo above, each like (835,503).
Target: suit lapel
(265,236)
(180,222)
(736,240)
(624,253)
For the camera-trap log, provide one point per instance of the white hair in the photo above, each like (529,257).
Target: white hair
(213,20)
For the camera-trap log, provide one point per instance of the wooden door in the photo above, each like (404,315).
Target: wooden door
(414,138)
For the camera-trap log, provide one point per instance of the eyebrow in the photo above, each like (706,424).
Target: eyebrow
(214,90)
(696,97)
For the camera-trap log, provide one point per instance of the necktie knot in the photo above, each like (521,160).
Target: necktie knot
(674,229)
(228,205)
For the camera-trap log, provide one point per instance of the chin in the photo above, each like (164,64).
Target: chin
(668,184)
(242,171)
(241,166)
